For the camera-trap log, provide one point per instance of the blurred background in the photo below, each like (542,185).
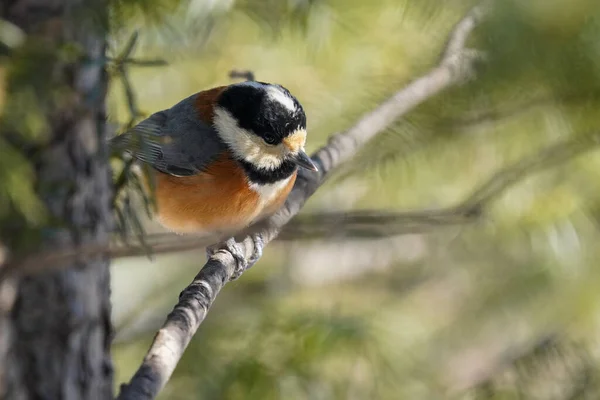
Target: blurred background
(503,306)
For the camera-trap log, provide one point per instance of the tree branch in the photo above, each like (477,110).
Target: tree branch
(195,300)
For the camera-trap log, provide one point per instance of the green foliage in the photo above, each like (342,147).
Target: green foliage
(464,319)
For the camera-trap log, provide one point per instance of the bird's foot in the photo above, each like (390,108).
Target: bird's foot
(259,245)
(237,251)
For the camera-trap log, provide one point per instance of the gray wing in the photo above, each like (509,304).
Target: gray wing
(174,141)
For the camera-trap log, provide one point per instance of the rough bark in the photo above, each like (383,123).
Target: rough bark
(59,325)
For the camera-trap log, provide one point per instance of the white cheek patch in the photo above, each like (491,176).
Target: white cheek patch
(246,145)
(276,94)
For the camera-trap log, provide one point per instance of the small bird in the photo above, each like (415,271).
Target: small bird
(223,158)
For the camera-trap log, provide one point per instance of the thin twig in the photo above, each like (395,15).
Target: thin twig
(54,259)
(247,75)
(457,39)
(194,302)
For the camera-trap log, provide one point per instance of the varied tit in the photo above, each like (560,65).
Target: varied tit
(223,158)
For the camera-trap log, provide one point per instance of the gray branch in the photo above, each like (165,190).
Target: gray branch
(194,302)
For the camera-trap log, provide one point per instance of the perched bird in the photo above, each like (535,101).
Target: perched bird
(223,158)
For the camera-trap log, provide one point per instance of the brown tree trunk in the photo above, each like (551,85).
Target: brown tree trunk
(59,328)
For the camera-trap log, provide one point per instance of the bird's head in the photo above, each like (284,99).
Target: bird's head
(263,124)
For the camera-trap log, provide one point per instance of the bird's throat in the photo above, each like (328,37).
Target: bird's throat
(263,176)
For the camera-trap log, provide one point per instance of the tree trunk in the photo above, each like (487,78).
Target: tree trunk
(59,330)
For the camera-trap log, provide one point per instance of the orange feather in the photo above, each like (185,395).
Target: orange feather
(216,200)
(205,103)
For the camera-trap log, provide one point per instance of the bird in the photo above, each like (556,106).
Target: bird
(222,158)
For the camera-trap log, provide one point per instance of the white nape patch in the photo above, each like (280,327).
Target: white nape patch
(276,94)
(268,192)
(246,145)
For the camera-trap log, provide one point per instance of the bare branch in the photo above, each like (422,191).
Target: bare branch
(457,39)
(55,258)
(195,300)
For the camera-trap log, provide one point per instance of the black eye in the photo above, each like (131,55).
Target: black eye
(269,138)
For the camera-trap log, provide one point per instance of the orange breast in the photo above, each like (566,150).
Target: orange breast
(216,200)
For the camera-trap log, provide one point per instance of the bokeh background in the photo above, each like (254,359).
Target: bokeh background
(505,306)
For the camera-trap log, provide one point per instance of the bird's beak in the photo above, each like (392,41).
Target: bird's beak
(303,160)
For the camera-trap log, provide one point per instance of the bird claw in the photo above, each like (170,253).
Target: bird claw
(237,251)
(259,244)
